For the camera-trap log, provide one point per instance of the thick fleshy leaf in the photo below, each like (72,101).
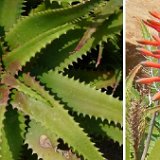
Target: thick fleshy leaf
(42,142)
(2,116)
(99,128)
(98,79)
(19,56)
(45,144)
(40,29)
(106,30)
(12,82)
(37,24)
(13,134)
(83,99)
(67,1)
(60,54)
(32,83)
(57,120)
(5,151)
(4,96)
(154,155)
(10,11)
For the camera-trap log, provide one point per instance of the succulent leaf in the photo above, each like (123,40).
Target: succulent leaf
(2,116)
(37,24)
(154,155)
(99,128)
(80,97)
(106,30)
(19,56)
(10,11)
(11,143)
(5,151)
(53,35)
(42,142)
(54,121)
(67,1)
(98,79)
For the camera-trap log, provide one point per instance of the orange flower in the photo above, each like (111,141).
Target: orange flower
(153,24)
(151,64)
(148,80)
(155,41)
(155,14)
(149,42)
(156,52)
(145,52)
(156,96)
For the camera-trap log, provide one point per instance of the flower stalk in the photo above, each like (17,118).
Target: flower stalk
(153,42)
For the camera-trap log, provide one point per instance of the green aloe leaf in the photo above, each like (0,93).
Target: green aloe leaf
(99,128)
(11,144)
(106,30)
(19,56)
(154,155)
(42,142)
(2,116)
(83,99)
(45,143)
(62,50)
(53,118)
(10,11)
(67,1)
(39,29)
(4,95)
(34,25)
(5,150)
(98,79)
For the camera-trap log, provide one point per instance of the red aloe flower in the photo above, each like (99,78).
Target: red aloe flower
(153,24)
(150,64)
(149,42)
(145,52)
(155,37)
(156,96)
(155,14)
(155,54)
(148,80)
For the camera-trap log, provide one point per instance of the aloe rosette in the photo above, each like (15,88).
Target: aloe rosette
(41,106)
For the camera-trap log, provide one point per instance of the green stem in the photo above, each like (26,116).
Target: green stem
(148,137)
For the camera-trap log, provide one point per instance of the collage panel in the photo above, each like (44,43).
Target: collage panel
(61,80)
(142,80)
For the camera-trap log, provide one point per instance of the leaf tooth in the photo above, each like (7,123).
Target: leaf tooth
(37,50)
(87,88)
(3,110)
(33,55)
(14,26)
(2,118)
(76,151)
(72,58)
(29,147)
(33,147)
(47,127)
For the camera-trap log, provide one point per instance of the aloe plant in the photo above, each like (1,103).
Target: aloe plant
(143,98)
(44,97)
